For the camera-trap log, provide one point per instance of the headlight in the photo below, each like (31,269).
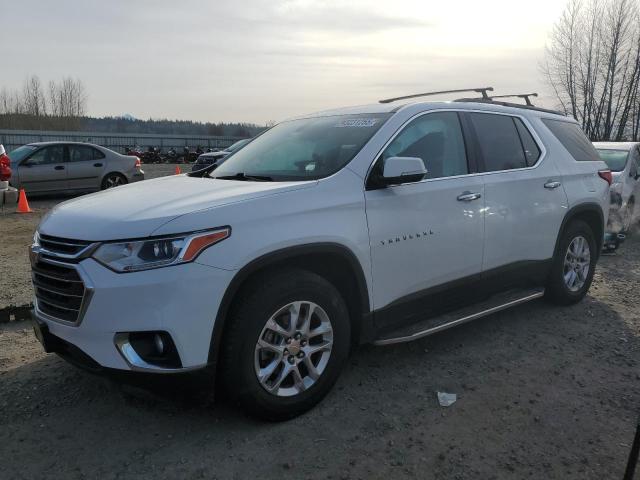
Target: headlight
(136,255)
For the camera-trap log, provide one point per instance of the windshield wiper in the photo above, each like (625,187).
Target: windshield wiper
(245,177)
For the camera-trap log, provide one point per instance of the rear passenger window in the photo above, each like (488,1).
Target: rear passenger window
(499,142)
(435,138)
(80,153)
(573,139)
(531,149)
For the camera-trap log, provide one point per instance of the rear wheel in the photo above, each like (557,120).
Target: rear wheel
(112,180)
(574,264)
(287,340)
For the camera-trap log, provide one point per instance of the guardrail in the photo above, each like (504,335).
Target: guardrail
(115,141)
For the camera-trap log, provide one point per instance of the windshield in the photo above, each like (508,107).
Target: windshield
(615,159)
(237,145)
(305,149)
(21,152)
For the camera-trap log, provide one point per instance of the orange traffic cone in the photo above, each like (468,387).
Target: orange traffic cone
(23,204)
(178,171)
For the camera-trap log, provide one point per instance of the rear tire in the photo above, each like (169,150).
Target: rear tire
(112,180)
(573,265)
(277,369)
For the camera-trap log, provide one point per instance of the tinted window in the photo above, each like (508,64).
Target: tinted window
(573,139)
(436,139)
(499,142)
(83,153)
(616,160)
(47,155)
(531,149)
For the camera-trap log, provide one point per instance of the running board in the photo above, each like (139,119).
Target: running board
(458,317)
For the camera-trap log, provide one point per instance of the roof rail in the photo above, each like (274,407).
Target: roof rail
(525,96)
(482,90)
(509,104)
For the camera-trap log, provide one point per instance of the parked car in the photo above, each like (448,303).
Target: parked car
(623,158)
(50,167)
(375,224)
(5,165)
(210,158)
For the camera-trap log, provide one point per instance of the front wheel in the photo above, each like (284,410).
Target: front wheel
(573,265)
(286,342)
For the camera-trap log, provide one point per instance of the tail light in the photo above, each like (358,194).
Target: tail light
(606,176)
(138,163)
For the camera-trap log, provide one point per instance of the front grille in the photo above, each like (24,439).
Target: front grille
(63,246)
(59,290)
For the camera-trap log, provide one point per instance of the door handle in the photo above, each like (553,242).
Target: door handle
(551,184)
(59,167)
(97,164)
(468,196)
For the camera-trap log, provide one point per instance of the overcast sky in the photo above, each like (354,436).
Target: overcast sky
(258,60)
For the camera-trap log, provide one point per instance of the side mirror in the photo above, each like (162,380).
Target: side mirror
(399,170)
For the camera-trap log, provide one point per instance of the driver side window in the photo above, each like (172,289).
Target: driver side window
(435,138)
(47,156)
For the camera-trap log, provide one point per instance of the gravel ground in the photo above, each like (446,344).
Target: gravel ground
(543,392)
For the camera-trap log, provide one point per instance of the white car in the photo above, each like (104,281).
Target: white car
(375,224)
(623,159)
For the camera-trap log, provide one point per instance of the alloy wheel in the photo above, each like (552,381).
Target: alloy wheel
(577,262)
(113,181)
(293,348)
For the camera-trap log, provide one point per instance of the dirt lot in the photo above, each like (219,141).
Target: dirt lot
(543,392)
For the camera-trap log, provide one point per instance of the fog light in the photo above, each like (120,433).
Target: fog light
(149,350)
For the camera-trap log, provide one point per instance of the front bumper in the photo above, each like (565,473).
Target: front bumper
(181,300)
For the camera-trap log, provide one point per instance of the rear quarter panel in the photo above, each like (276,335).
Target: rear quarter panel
(580,179)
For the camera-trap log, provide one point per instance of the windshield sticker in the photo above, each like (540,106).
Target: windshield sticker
(357,122)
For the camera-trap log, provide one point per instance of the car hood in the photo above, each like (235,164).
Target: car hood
(136,210)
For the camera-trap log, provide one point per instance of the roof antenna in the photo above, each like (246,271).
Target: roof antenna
(525,96)
(482,90)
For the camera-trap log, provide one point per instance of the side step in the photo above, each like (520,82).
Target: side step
(458,317)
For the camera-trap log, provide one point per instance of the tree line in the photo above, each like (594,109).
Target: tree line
(61,105)
(592,63)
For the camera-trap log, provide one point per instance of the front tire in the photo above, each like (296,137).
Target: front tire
(573,265)
(286,341)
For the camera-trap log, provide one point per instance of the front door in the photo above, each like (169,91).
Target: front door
(44,171)
(426,237)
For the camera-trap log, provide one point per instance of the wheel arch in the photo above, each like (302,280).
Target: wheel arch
(592,215)
(335,262)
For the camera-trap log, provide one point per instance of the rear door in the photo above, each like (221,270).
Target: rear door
(524,200)
(45,170)
(86,167)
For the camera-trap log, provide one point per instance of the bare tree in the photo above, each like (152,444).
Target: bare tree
(67,98)
(33,97)
(593,65)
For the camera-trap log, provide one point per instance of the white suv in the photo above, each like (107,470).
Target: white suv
(382,224)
